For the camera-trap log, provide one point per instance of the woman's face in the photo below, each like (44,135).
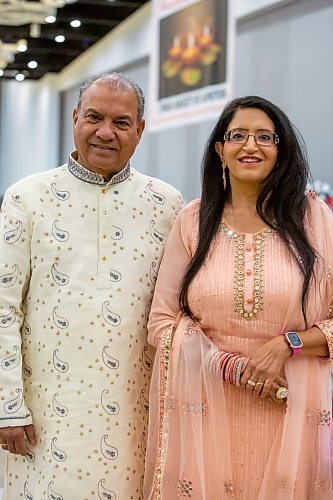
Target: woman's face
(248,163)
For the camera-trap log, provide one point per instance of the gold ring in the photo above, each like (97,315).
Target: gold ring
(281,393)
(3,445)
(250,382)
(260,383)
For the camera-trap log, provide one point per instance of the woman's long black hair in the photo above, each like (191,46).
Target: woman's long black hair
(281,203)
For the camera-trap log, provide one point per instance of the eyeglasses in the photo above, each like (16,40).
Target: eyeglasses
(241,136)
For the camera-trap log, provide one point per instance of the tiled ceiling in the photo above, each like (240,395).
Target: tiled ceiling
(25,21)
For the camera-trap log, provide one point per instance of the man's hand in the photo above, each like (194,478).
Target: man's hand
(15,439)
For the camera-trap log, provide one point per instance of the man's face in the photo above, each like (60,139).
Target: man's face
(106,128)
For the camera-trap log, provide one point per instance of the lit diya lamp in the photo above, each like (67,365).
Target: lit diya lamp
(206,37)
(192,51)
(175,50)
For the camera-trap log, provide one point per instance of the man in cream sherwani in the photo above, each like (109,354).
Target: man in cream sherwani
(79,254)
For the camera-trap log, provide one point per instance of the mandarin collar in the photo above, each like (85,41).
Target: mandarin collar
(86,175)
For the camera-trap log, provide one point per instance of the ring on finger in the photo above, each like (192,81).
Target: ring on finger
(281,393)
(250,382)
(259,383)
(3,445)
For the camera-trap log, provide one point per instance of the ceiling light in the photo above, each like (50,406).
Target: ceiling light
(60,38)
(1,72)
(50,19)
(19,77)
(75,23)
(32,64)
(22,45)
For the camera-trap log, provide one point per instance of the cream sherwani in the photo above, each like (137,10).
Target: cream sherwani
(79,259)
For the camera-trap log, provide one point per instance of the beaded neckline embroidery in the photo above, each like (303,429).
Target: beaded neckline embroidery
(239,277)
(86,175)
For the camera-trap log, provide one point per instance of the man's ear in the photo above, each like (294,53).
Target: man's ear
(140,129)
(75,115)
(219,146)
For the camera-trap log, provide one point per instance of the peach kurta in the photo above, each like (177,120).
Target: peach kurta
(210,440)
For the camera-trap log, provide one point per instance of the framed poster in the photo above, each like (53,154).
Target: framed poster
(191,60)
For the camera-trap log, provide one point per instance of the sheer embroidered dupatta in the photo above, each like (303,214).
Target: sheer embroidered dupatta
(188,452)
(191,442)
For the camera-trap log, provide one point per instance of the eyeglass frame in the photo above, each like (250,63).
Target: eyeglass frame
(226,138)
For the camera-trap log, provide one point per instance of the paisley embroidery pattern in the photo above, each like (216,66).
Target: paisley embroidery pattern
(108,360)
(58,320)
(26,493)
(146,361)
(9,279)
(51,494)
(26,328)
(7,320)
(111,407)
(59,234)
(115,275)
(144,401)
(60,195)
(107,450)
(116,233)
(109,316)
(157,197)
(153,272)
(158,237)
(12,361)
(13,235)
(60,278)
(103,493)
(60,409)
(15,404)
(58,455)
(58,364)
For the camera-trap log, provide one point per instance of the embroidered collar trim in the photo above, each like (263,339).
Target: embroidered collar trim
(86,175)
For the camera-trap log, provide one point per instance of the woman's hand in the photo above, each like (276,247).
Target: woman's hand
(264,367)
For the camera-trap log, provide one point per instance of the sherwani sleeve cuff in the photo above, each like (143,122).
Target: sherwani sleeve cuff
(17,420)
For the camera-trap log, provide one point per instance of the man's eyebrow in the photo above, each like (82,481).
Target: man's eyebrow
(124,117)
(92,110)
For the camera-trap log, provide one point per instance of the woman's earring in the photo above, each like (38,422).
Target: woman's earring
(224,178)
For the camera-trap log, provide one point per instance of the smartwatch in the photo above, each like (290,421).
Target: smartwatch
(294,342)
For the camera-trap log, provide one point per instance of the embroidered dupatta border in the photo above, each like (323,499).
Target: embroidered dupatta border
(165,347)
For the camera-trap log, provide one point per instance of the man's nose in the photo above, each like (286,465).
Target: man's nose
(106,131)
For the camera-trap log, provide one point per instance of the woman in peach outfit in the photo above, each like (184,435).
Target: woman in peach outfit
(241,397)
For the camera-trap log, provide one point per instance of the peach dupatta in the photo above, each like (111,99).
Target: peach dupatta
(191,441)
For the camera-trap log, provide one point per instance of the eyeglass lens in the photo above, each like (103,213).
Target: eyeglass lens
(261,137)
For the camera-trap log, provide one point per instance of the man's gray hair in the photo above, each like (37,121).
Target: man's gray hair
(116,81)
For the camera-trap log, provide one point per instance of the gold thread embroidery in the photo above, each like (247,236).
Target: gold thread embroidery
(195,408)
(184,488)
(326,327)
(324,417)
(165,346)
(258,288)
(320,484)
(228,486)
(282,482)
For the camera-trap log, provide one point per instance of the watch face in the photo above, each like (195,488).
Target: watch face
(294,339)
